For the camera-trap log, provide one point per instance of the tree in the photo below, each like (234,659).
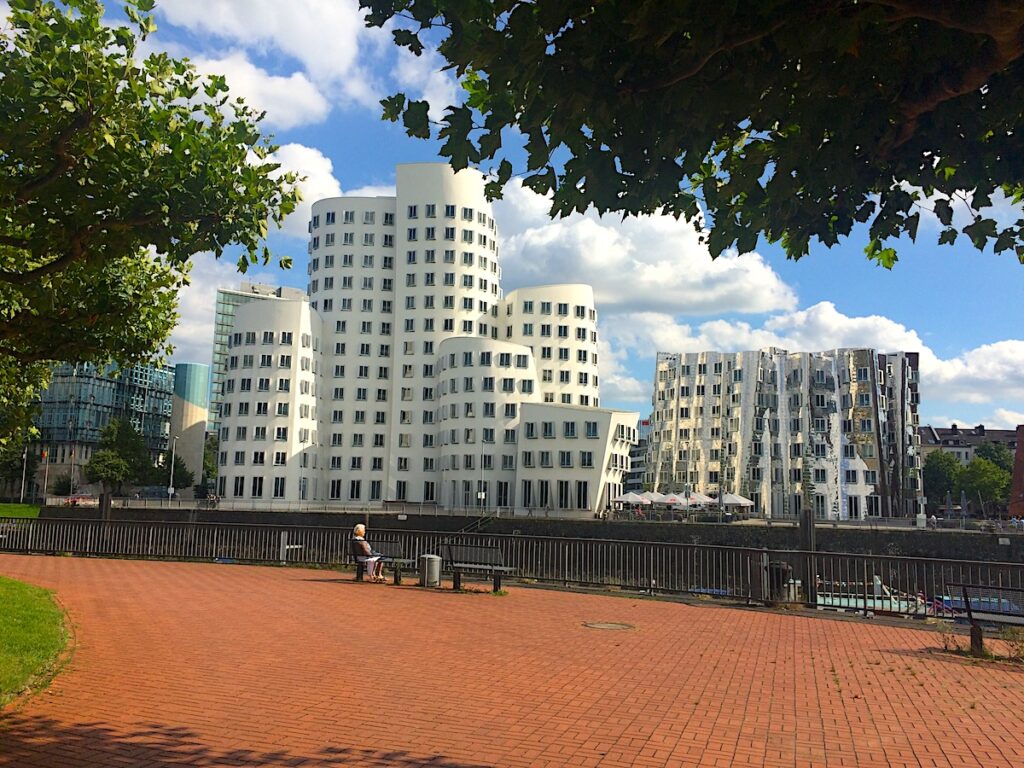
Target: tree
(984,481)
(183,476)
(116,170)
(124,441)
(997,453)
(783,119)
(61,486)
(941,473)
(108,470)
(16,463)
(210,450)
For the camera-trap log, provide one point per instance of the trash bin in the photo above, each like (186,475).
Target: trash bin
(430,571)
(779,574)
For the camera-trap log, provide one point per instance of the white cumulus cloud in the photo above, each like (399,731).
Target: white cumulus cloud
(653,263)
(318,182)
(289,101)
(328,38)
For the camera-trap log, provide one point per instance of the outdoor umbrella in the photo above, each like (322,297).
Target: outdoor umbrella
(735,500)
(632,498)
(653,496)
(699,498)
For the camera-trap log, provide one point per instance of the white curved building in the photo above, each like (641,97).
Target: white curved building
(419,367)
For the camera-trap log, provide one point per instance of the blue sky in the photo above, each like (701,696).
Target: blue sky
(319,73)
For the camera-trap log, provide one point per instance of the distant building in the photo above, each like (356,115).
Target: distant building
(962,441)
(638,459)
(81,400)
(228,301)
(832,431)
(189,414)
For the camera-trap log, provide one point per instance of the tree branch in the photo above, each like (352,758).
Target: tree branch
(77,248)
(696,67)
(65,159)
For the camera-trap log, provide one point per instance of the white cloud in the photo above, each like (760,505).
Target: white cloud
(653,263)
(424,73)
(327,37)
(617,383)
(193,336)
(319,182)
(1003,418)
(822,326)
(288,101)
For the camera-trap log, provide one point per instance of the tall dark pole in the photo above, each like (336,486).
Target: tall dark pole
(809,545)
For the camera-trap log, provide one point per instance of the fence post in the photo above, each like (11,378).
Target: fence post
(865,580)
(284,547)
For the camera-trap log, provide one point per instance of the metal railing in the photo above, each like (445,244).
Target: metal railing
(868,584)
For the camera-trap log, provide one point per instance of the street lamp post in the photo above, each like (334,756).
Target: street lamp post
(170,484)
(24,465)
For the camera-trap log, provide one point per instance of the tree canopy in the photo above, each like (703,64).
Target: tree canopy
(114,171)
(941,474)
(997,453)
(108,470)
(983,481)
(790,120)
(124,441)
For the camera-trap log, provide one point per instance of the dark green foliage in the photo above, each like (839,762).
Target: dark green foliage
(781,119)
(941,473)
(125,442)
(997,453)
(116,169)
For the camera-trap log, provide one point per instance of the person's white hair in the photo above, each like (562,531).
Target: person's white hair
(359,530)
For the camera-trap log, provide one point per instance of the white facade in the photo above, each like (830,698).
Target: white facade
(829,431)
(420,368)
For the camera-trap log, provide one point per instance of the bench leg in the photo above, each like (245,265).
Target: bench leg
(457,580)
(360,571)
(497,582)
(977,640)
(398,574)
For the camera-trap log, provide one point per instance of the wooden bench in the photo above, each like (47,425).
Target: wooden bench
(991,605)
(474,558)
(392,554)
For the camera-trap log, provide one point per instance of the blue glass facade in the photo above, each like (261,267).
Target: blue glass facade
(83,399)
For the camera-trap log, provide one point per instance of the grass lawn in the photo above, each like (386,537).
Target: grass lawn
(31,636)
(19,510)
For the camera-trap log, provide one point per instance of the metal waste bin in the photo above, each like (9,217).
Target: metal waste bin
(430,571)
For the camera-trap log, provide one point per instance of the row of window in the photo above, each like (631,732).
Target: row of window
(579,310)
(269,337)
(795,377)
(348,239)
(411,257)
(412,212)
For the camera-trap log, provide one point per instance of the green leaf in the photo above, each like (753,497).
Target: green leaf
(407,39)
(393,106)
(417,120)
(944,211)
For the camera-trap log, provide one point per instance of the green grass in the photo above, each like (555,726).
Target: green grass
(19,510)
(31,636)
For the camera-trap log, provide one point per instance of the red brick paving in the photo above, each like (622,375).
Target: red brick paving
(190,664)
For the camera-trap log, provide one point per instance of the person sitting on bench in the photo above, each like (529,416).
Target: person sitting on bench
(372,560)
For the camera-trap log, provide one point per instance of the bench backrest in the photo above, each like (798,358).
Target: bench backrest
(473,553)
(1003,605)
(391,549)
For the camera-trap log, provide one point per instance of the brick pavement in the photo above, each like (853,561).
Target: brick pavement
(191,664)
